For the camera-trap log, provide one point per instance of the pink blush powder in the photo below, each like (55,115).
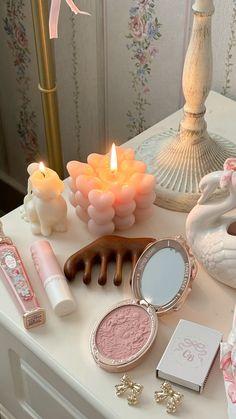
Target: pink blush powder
(123,332)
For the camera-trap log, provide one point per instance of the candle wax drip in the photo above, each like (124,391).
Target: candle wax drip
(107,176)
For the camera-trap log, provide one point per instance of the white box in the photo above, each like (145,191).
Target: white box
(189,355)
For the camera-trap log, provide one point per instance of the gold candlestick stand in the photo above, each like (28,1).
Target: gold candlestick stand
(47,84)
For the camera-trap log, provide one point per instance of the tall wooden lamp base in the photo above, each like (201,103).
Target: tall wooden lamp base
(180,162)
(179,166)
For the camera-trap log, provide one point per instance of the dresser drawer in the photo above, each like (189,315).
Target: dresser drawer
(32,390)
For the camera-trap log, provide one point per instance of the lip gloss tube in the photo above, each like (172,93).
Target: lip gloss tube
(52,277)
(12,270)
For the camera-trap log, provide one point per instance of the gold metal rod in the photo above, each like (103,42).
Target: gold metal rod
(47,84)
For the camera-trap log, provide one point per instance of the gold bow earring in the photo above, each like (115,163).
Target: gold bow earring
(134,389)
(172,397)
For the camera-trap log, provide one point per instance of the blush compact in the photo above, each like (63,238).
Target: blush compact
(124,335)
(161,281)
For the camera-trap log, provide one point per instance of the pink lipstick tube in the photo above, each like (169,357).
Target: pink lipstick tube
(13,272)
(52,277)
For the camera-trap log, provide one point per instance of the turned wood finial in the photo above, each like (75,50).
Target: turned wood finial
(204,6)
(180,162)
(197,73)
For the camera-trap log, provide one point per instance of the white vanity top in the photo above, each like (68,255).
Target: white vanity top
(63,343)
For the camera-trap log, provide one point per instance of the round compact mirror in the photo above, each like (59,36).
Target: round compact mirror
(161,281)
(163,274)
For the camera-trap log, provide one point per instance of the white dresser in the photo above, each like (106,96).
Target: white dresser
(48,372)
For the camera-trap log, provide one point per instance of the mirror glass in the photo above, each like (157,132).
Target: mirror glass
(163,276)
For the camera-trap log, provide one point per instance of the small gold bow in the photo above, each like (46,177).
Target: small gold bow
(167,393)
(128,385)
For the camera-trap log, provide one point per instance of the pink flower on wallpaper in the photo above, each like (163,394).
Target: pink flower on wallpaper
(26,124)
(142,3)
(20,37)
(142,58)
(137,26)
(153,51)
(144,31)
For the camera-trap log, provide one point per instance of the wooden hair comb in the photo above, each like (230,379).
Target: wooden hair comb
(104,250)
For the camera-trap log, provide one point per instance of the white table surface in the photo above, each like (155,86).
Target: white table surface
(63,343)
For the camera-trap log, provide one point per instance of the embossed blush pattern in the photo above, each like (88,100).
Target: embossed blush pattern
(123,332)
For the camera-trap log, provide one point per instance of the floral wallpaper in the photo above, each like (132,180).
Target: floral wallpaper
(229,62)
(145,51)
(144,32)
(75,79)
(14,26)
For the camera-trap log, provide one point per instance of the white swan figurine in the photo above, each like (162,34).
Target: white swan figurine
(211,234)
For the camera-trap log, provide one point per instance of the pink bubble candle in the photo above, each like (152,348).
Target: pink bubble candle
(112,191)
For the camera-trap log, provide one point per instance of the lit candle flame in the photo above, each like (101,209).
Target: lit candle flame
(113,161)
(42,168)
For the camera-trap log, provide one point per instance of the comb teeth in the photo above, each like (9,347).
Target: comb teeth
(102,251)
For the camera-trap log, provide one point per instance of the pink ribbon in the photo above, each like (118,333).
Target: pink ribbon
(230,376)
(229,174)
(54,15)
(232,386)
(228,361)
(225,361)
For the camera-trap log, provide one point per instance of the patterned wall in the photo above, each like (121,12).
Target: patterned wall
(145,67)
(20,112)
(224,80)
(118,72)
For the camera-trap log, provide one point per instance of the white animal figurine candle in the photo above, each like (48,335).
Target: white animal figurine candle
(44,206)
(212,234)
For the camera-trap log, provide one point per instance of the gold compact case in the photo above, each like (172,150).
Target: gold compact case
(161,282)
